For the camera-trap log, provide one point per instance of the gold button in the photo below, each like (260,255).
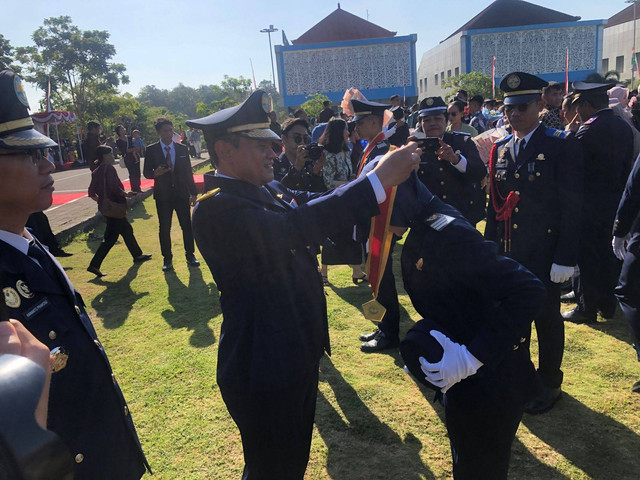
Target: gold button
(517,175)
(52,335)
(471,202)
(79,458)
(442,182)
(515,347)
(517,192)
(523,339)
(78,311)
(537,174)
(97,342)
(126,410)
(549,231)
(441,169)
(421,171)
(515,226)
(444,197)
(516,209)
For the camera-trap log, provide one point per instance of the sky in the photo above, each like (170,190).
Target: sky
(197,42)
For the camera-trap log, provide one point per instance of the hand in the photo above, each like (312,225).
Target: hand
(130,194)
(619,245)
(301,157)
(457,363)
(15,339)
(192,199)
(161,170)
(319,164)
(446,153)
(396,166)
(561,273)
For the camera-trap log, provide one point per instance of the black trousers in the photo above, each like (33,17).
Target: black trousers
(276,429)
(115,228)
(550,330)
(165,210)
(134,175)
(481,430)
(599,272)
(388,298)
(628,289)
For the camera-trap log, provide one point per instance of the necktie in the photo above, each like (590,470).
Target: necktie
(44,260)
(521,144)
(168,157)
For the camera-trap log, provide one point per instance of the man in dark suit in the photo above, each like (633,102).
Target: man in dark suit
(86,406)
(169,165)
(534,214)
(255,235)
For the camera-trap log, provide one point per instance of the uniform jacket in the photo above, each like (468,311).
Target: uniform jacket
(607,143)
(462,190)
(548,176)
(255,241)
(86,407)
(176,184)
(628,215)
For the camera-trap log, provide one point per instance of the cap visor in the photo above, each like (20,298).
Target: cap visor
(26,139)
(261,134)
(519,99)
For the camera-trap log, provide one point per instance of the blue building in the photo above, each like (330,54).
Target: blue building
(523,37)
(344,51)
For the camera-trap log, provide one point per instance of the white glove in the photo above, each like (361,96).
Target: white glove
(457,363)
(619,246)
(560,273)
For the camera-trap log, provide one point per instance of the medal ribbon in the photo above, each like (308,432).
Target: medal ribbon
(365,155)
(380,242)
(502,206)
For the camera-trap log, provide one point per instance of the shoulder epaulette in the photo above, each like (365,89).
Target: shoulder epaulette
(465,134)
(591,120)
(554,132)
(209,194)
(504,139)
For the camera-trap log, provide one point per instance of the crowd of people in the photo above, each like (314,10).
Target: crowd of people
(551,172)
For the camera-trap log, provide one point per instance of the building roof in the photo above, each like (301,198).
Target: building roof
(341,25)
(623,16)
(514,13)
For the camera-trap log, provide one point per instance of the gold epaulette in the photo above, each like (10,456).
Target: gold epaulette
(392,148)
(209,194)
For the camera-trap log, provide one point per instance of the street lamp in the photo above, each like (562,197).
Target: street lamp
(269,31)
(633,60)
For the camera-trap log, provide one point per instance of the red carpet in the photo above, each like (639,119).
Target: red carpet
(145,184)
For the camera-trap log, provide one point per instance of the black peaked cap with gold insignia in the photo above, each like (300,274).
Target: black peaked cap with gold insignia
(591,91)
(432,106)
(249,119)
(16,126)
(520,87)
(363,108)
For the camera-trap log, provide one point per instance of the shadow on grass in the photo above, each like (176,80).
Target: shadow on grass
(192,307)
(139,212)
(596,444)
(114,303)
(616,327)
(362,446)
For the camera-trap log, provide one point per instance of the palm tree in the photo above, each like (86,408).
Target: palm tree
(608,77)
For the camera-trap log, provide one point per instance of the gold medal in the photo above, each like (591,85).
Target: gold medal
(24,289)
(373,310)
(59,358)
(11,297)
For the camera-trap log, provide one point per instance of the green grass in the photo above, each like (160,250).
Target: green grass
(372,421)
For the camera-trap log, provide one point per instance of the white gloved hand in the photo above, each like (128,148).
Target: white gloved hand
(619,246)
(457,363)
(561,273)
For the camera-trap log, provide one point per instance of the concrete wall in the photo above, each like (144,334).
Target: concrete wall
(618,42)
(442,61)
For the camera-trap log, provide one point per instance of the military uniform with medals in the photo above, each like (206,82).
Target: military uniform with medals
(534,215)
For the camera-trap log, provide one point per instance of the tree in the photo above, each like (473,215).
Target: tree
(475,83)
(313,106)
(608,77)
(76,62)
(6,55)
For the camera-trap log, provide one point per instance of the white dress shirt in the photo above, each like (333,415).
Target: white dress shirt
(172,150)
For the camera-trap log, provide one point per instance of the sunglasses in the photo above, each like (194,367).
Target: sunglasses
(522,107)
(35,155)
(299,139)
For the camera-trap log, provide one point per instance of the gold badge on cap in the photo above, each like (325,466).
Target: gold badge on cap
(24,289)
(373,310)
(11,297)
(429,102)
(513,81)
(20,93)
(59,358)
(265,103)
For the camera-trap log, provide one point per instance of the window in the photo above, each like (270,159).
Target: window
(457,71)
(619,64)
(436,79)
(420,85)
(605,65)
(448,73)
(425,84)
(441,77)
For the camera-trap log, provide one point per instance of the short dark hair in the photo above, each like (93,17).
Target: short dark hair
(326,103)
(91,125)
(477,99)
(552,86)
(394,97)
(458,104)
(118,128)
(333,136)
(299,112)
(289,123)
(161,122)
(211,139)
(101,151)
(463,92)
(598,102)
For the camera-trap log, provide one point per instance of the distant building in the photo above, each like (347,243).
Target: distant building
(618,43)
(344,51)
(523,37)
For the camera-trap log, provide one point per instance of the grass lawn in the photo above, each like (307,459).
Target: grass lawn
(372,420)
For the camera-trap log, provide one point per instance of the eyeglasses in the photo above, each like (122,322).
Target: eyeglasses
(301,138)
(522,107)
(35,155)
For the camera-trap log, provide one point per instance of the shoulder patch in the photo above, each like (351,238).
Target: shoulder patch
(504,139)
(209,194)
(438,221)
(554,132)
(591,120)
(463,134)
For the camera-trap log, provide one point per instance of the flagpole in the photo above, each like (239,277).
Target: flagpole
(566,73)
(493,77)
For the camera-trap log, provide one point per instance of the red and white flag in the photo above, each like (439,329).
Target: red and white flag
(566,73)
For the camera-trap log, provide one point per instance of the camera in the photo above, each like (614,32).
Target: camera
(315,151)
(429,145)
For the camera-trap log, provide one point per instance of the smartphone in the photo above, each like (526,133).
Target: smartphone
(429,145)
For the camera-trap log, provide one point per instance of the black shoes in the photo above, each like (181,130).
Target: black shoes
(192,262)
(96,271)
(142,258)
(579,316)
(543,402)
(378,342)
(365,337)
(61,253)
(168,266)
(358,280)
(636,387)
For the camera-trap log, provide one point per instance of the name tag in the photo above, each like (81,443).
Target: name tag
(36,309)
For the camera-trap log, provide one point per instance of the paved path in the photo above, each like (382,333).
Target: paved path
(81,213)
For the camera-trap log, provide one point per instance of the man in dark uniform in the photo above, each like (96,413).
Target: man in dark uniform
(607,143)
(534,212)
(255,234)
(453,170)
(369,117)
(86,407)
(401,129)
(626,247)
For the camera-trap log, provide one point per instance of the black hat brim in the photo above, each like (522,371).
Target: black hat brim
(520,99)
(26,140)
